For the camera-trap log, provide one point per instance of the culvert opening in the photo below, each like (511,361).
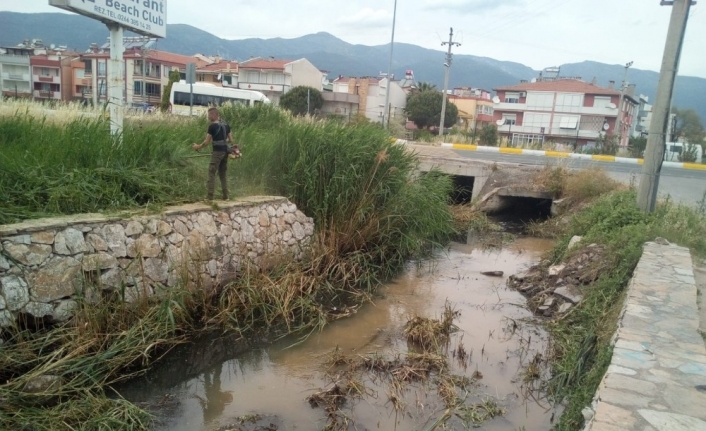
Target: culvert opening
(516,212)
(463,189)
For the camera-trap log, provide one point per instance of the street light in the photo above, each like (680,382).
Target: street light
(389,72)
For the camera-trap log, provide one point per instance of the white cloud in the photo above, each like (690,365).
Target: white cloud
(367,18)
(469,6)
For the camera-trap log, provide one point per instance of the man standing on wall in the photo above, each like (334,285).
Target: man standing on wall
(219,134)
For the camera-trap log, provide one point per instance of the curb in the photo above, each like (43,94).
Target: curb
(565,155)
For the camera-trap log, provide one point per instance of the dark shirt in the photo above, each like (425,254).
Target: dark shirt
(219,131)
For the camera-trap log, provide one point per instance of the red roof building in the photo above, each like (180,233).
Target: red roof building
(564,111)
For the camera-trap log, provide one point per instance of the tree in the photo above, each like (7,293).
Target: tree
(295,101)
(426,86)
(689,127)
(174,76)
(488,135)
(637,146)
(424,108)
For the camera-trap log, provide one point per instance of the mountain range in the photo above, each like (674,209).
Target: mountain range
(341,58)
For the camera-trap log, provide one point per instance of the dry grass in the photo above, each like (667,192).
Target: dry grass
(431,335)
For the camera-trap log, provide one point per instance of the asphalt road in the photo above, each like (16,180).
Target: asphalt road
(682,185)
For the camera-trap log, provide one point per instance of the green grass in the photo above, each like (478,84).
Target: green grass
(49,169)
(582,350)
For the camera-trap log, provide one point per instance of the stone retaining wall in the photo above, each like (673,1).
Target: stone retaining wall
(45,264)
(657,376)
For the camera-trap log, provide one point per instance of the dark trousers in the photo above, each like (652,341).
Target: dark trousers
(219,163)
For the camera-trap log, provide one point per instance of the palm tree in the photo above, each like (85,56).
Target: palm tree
(426,86)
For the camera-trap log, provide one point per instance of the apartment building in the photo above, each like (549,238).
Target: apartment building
(146,71)
(16,71)
(475,107)
(275,77)
(220,72)
(371,94)
(565,111)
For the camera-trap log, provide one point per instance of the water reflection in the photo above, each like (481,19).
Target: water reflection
(276,380)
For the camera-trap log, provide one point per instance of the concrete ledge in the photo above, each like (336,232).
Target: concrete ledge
(562,154)
(657,376)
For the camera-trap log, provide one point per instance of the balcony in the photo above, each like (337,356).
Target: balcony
(583,110)
(40,94)
(263,87)
(534,130)
(47,79)
(24,77)
(341,97)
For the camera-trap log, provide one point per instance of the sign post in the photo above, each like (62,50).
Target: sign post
(190,79)
(148,18)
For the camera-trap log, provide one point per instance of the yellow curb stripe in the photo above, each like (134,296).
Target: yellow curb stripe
(603,158)
(557,154)
(465,147)
(695,166)
(511,150)
(640,161)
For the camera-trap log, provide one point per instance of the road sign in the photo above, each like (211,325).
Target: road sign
(190,73)
(147,17)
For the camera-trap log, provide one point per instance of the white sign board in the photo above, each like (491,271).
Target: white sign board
(147,17)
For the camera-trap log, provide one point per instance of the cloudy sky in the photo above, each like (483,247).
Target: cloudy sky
(538,33)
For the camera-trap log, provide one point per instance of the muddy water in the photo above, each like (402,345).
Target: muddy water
(494,327)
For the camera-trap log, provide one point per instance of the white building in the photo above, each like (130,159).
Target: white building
(274,77)
(372,93)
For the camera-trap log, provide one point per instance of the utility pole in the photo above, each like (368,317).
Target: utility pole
(449,57)
(654,155)
(389,72)
(621,111)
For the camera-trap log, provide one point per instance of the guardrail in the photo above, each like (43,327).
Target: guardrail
(566,155)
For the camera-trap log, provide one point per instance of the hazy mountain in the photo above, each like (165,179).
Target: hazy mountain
(338,57)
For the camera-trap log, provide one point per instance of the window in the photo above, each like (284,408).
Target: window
(153,89)
(568,122)
(278,78)
(568,102)
(540,101)
(101,67)
(157,70)
(80,73)
(102,88)
(181,98)
(534,121)
(601,102)
(485,110)
(512,97)
(510,119)
(228,79)
(137,89)
(88,66)
(138,65)
(521,139)
(44,71)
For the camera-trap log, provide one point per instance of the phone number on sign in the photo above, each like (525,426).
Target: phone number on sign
(136,23)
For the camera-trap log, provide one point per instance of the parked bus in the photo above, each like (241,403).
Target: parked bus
(206,95)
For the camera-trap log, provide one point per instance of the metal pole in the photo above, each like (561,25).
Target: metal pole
(654,155)
(308,101)
(116,79)
(621,111)
(191,99)
(385,118)
(449,57)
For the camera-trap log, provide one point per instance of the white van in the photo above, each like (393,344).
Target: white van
(674,151)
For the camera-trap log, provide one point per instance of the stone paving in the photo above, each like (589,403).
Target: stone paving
(657,377)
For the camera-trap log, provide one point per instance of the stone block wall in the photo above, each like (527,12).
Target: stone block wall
(45,264)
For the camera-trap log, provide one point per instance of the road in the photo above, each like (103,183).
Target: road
(681,185)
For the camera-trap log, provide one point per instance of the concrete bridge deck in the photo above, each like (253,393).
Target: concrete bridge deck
(657,377)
